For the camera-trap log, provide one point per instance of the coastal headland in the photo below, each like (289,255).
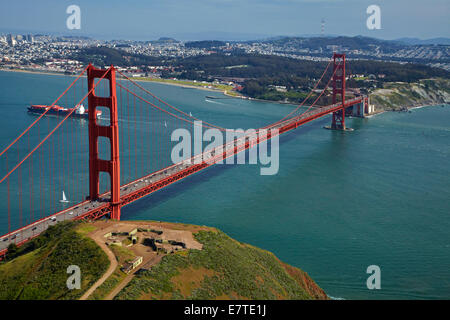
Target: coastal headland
(142,260)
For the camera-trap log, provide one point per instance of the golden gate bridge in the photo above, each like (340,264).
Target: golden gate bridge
(53,156)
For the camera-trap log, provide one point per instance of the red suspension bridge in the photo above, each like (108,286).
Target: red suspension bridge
(55,154)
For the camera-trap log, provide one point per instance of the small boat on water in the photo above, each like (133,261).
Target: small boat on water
(56,110)
(64,199)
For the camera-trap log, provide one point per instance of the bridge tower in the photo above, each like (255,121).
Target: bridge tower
(97,165)
(338,85)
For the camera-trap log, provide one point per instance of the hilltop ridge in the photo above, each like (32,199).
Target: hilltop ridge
(204,264)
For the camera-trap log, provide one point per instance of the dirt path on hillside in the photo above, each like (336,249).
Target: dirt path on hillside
(151,262)
(121,285)
(112,266)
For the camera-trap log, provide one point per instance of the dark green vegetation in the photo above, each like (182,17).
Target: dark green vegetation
(38,270)
(293,72)
(259,74)
(249,67)
(223,269)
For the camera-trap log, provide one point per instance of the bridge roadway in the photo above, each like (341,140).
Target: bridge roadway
(162,178)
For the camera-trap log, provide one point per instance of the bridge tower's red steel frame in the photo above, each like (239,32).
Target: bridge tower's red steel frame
(97,165)
(338,85)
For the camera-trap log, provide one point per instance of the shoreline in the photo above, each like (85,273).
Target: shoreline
(408,109)
(49,73)
(426,106)
(223,91)
(155,80)
(140,79)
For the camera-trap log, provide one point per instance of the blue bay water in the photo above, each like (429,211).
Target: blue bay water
(340,202)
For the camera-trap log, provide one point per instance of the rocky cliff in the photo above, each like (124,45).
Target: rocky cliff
(401,95)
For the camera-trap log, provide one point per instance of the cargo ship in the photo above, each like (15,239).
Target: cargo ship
(56,110)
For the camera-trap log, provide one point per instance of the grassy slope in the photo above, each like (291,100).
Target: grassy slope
(224,269)
(41,273)
(223,87)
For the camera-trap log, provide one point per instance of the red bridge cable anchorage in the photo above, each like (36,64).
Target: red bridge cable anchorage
(54,129)
(43,114)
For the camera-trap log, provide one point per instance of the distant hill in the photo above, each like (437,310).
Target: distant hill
(416,41)
(164,40)
(316,43)
(361,47)
(356,42)
(218,35)
(206,44)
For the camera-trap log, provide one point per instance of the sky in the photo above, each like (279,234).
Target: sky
(227,19)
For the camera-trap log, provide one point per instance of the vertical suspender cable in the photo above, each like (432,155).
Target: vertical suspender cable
(9,201)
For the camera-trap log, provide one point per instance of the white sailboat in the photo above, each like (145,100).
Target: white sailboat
(190,114)
(64,199)
(165,124)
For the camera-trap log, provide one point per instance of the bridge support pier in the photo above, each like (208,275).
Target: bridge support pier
(359,110)
(97,165)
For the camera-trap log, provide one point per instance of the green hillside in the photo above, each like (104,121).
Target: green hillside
(38,270)
(223,269)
